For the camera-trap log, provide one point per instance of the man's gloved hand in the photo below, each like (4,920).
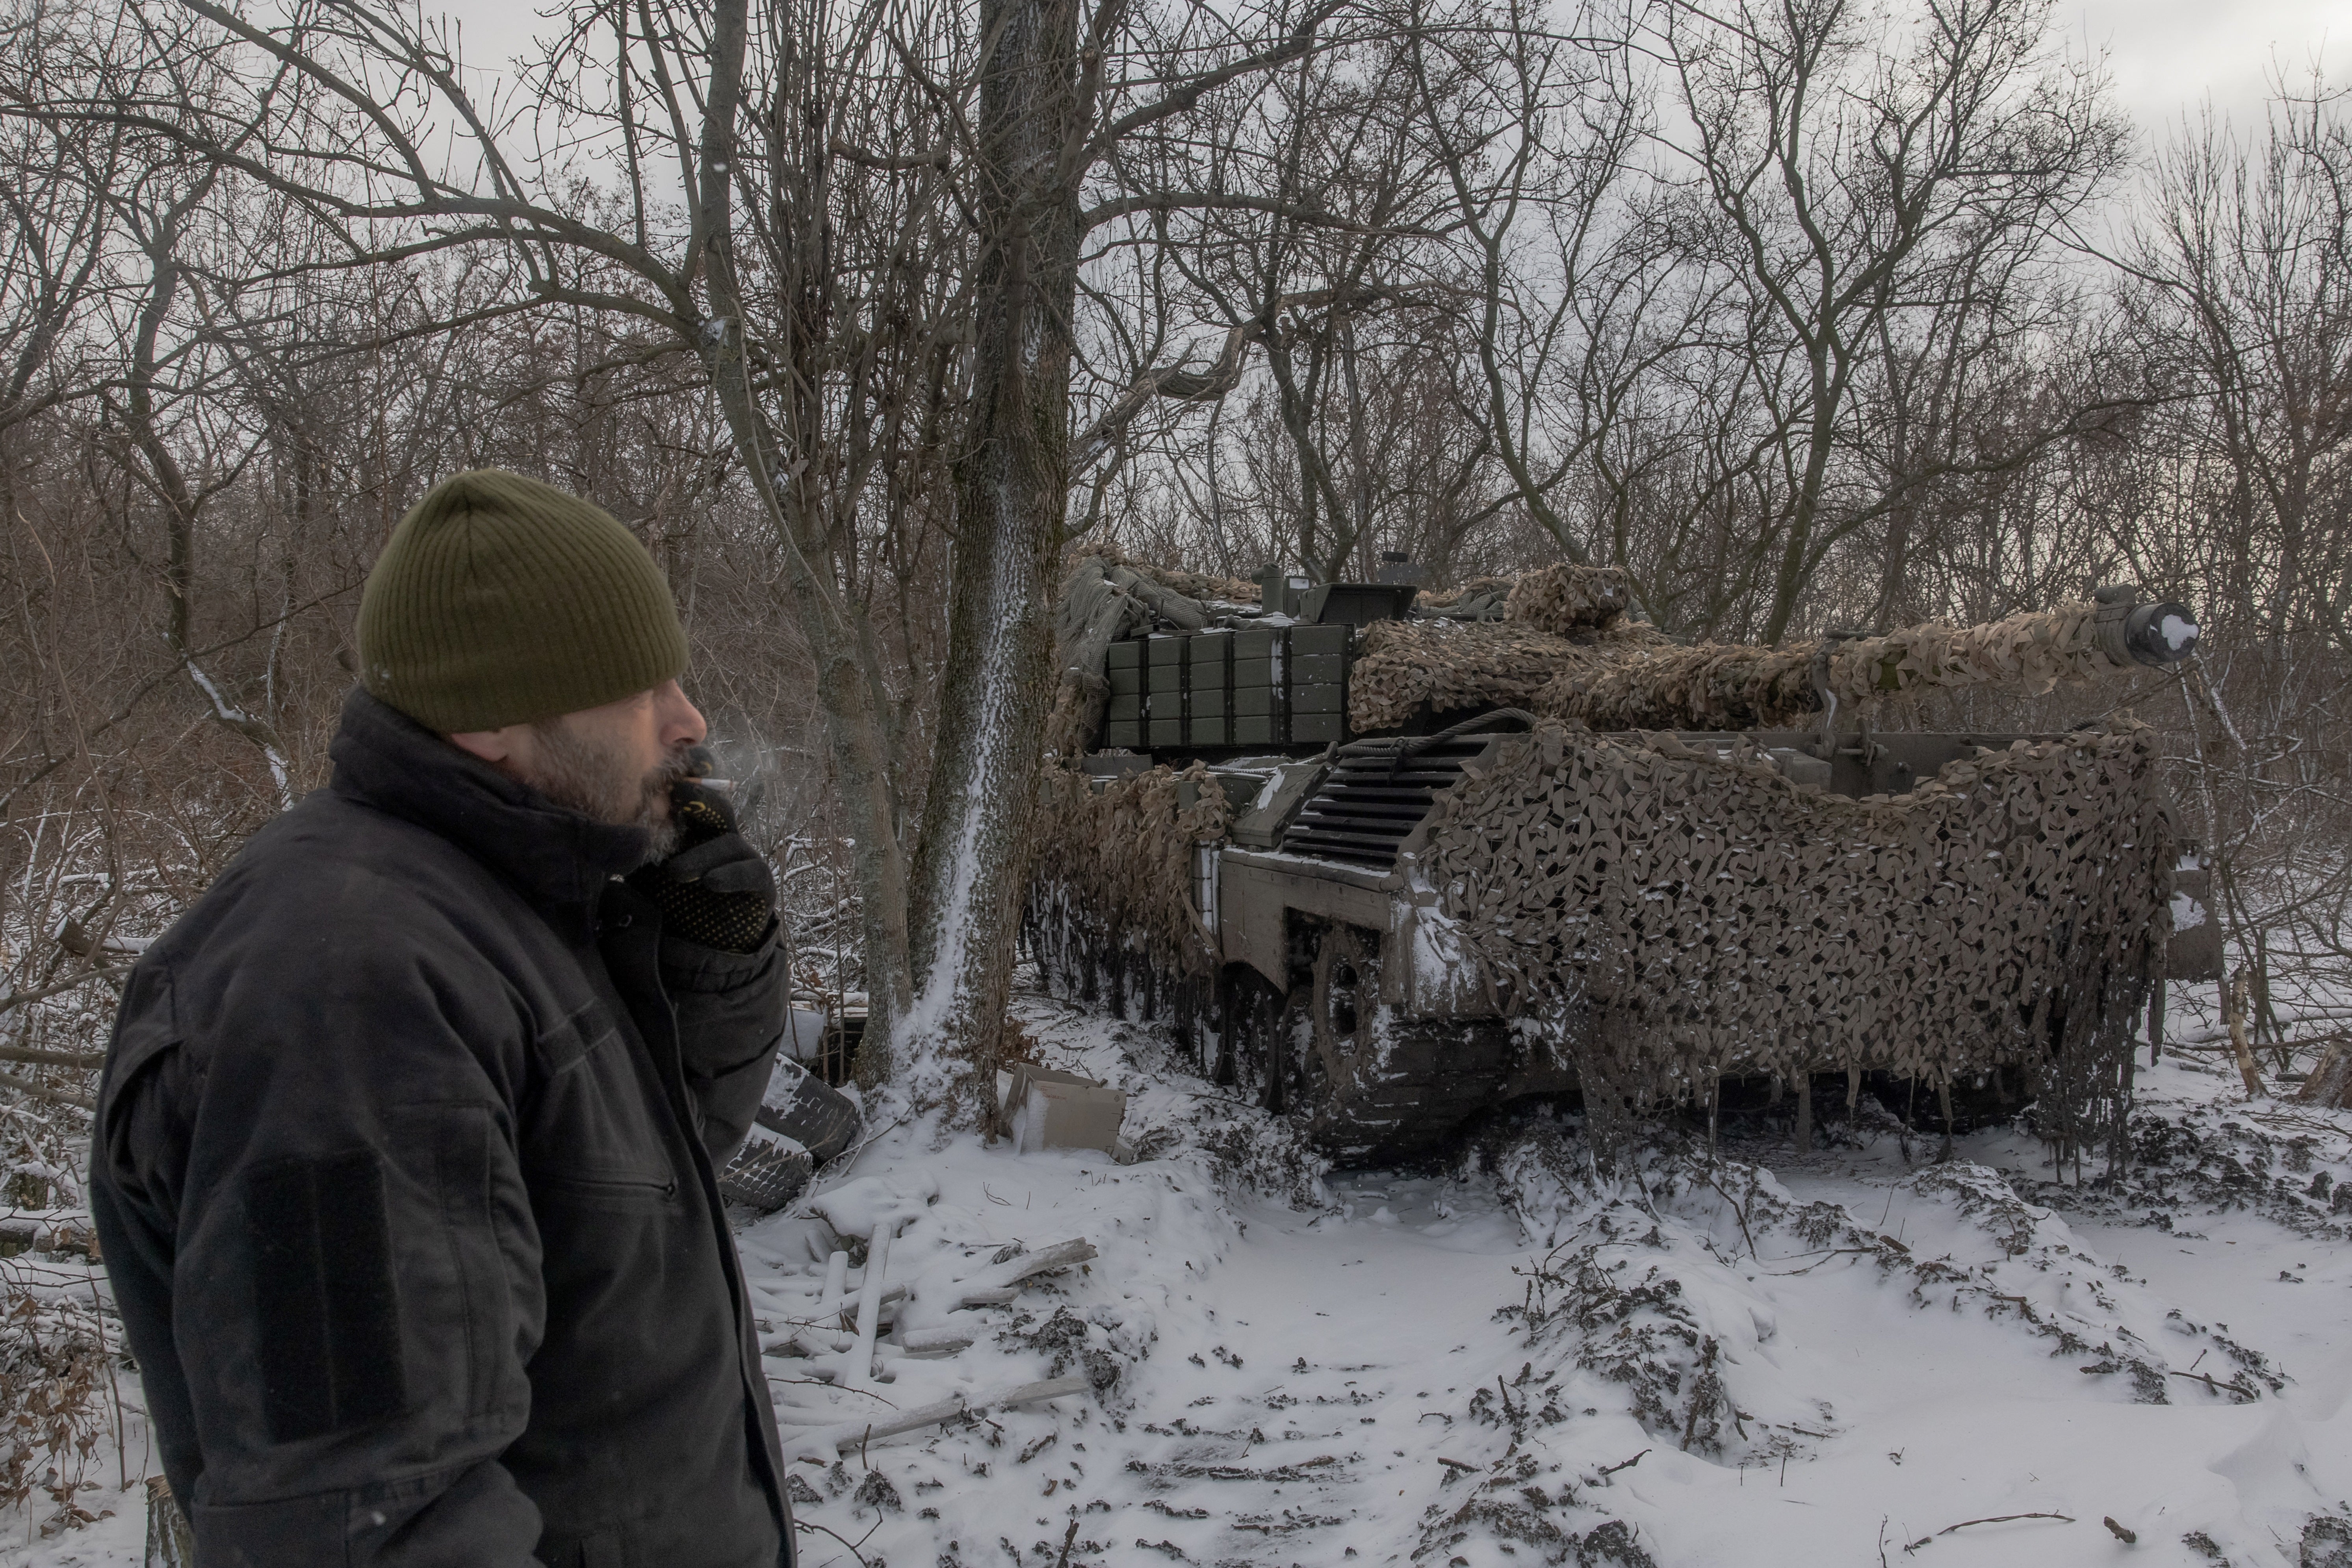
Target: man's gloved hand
(716,890)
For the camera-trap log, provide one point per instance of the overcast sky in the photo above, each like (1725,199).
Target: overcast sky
(2165,56)
(2169,56)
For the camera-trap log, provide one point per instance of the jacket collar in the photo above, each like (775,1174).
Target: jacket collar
(558,859)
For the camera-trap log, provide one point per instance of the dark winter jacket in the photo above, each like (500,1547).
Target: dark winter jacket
(404,1178)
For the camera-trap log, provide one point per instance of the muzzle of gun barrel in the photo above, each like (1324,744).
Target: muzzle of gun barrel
(2153,634)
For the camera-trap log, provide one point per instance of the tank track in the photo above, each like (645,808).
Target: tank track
(1368,1084)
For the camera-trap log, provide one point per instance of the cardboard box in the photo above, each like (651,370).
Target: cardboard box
(1046,1109)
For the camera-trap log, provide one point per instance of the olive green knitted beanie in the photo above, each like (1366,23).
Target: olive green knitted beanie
(500,600)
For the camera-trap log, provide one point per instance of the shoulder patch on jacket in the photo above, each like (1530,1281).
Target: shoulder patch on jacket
(326,1297)
(576,1036)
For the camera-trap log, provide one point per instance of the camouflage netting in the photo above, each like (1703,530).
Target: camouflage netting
(1077,717)
(1683,918)
(1499,587)
(1707,687)
(1113,877)
(1191,585)
(1554,619)
(1568,648)
(1450,665)
(2033,650)
(1564,600)
(1736,687)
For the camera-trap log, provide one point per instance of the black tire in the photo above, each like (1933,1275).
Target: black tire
(800,1106)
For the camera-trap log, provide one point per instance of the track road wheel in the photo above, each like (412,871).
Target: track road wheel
(1252,1012)
(1297,1053)
(1330,1024)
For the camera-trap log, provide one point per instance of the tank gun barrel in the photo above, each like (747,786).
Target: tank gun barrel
(1716,686)
(2034,649)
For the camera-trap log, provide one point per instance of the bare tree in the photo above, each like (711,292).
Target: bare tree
(1853,180)
(53,182)
(871,254)
(2243,269)
(1535,129)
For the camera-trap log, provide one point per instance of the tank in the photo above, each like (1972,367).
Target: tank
(1388,859)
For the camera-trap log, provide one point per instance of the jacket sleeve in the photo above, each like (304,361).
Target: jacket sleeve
(311,1205)
(731,1009)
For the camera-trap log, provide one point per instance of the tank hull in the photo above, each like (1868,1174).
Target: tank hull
(1362,997)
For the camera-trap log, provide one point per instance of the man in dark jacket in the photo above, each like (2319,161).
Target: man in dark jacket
(405,1155)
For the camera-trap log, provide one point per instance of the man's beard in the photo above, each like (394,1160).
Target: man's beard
(597,782)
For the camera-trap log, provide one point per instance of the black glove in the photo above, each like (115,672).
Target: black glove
(716,890)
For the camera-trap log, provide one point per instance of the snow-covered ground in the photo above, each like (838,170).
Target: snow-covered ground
(1508,1363)
(1860,1355)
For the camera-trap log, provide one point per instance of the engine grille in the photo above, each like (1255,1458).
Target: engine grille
(1373,799)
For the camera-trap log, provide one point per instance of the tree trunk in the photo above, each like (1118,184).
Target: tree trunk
(1012,486)
(857,715)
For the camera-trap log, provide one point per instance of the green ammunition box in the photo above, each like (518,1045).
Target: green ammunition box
(1165,650)
(1127,681)
(1253,672)
(1255,642)
(1122,734)
(1208,702)
(1326,697)
(1253,730)
(1212,731)
(1161,706)
(1209,648)
(1167,731)
(1123,655)
(1253,699)
(1315,667)
(1125,708)
(1307,640)
(1315,726)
